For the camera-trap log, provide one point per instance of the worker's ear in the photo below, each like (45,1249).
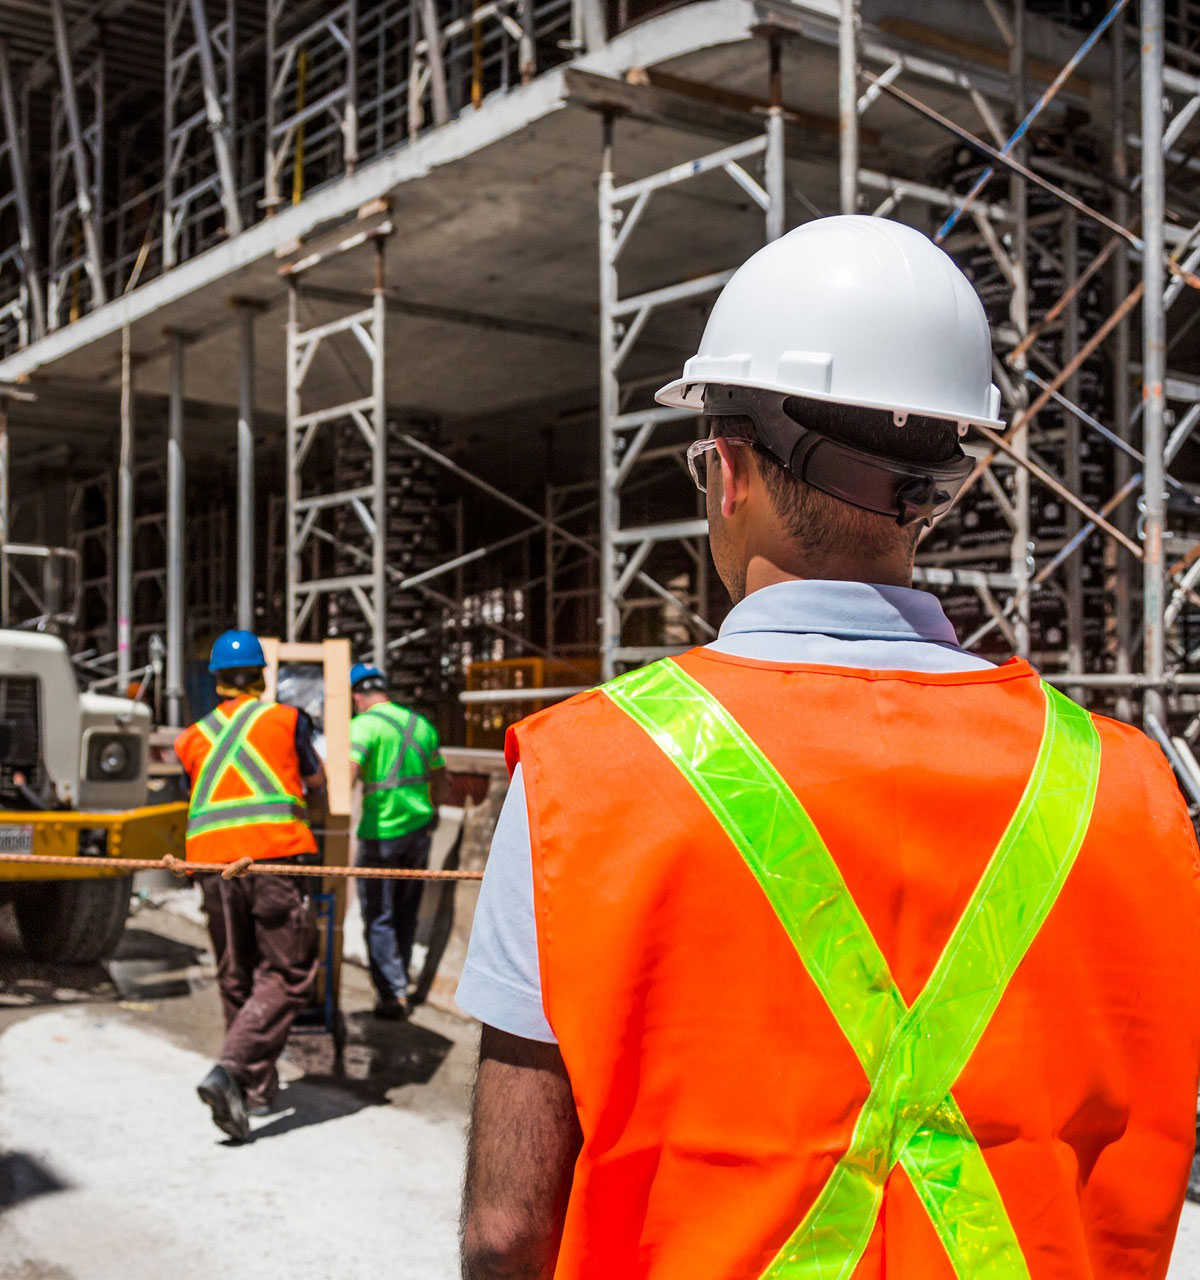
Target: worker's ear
(736,461)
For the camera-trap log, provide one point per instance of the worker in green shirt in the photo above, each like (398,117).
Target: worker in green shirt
(396,755)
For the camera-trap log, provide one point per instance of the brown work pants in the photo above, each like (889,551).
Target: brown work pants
(264,934)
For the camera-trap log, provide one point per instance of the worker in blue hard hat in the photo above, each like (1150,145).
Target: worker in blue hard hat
(395,753)
(255,779)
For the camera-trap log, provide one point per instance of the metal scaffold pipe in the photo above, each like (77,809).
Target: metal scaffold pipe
(1123,472)
(245,470)
(125,518)
(1154,354)
(848,104)
(610,616)
(175,534)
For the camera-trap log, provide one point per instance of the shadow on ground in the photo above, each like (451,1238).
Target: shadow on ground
(147,967)
(22,1177)
(379,1057)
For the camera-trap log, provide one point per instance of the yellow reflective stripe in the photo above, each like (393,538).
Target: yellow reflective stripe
(224,745)
(231,749)
(791,863)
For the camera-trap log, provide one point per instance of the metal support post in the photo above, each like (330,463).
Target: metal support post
(175,534)
(610,613)
(292,484)
(589,24)
(1123,467)
(1019,316)
(350,115)
(87,211)
(20,189)
(245,470)
(125,519)
(218,126)
(379,458)
(775,160)
(5,593)
(1072,463)
(1154,355)
(433,55)
(848,104)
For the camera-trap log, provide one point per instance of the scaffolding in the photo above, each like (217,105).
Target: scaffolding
(1077,539)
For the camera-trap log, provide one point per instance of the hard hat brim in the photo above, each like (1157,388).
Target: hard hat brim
(687,393)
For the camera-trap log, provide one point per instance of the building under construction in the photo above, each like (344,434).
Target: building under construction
(345,316)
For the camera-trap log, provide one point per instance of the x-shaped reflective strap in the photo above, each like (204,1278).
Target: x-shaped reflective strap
(230,747)
(911,1056)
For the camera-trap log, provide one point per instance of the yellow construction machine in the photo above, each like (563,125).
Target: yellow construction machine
(73,783)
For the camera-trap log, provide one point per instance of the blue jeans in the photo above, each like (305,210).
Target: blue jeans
(389,909)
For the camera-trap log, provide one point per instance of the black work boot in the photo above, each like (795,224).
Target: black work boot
(222,1093)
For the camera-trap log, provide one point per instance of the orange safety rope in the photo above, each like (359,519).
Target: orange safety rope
(230,870)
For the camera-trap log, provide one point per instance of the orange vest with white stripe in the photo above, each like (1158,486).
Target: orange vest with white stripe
(720,1091)
(247,797)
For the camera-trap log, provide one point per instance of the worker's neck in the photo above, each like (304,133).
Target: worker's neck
(373,700)
(228,691)
(796,566)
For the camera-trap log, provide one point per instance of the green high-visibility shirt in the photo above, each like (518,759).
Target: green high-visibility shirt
(396,751)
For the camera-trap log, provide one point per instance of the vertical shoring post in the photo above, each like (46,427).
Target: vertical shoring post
(16,162)
(292,487)
(1019,316)
(175,533)
(350,118)
(87,213)
(379,459)
(775,159)
(1123,465)
(172,18)
(270,167)
(1154,354)
(245,469)
(125,518)
(219,129)
(5,598)
(610,613)
(1072,464)
(848,104)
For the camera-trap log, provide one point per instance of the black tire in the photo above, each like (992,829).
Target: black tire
(73,921)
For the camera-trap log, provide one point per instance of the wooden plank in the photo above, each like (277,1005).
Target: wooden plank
(333,656)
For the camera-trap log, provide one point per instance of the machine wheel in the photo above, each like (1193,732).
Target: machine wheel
(73,921)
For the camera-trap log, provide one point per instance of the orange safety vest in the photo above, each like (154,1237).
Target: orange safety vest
(247,796)
(719,851)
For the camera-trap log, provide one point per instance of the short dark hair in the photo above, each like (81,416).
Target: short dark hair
(240,677)
(821,523)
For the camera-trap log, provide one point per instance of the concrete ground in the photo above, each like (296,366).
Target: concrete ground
(110,1168)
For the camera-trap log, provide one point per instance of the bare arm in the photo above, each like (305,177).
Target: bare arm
(521,1156)
(439,787)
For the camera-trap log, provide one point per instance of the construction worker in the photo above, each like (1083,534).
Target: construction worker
(251,765)
(396,755)
(830,949)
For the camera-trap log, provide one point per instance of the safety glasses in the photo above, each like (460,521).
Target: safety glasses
(698,448)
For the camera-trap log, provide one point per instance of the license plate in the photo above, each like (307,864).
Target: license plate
(16,839)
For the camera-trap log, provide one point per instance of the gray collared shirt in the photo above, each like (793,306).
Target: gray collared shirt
(832,624)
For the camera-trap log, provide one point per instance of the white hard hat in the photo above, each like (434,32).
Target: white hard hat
(853,310)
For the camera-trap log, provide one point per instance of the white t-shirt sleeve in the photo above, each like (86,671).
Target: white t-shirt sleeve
(501,983)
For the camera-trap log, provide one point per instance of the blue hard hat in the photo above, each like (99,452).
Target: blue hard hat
(365,671)
(234,649)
